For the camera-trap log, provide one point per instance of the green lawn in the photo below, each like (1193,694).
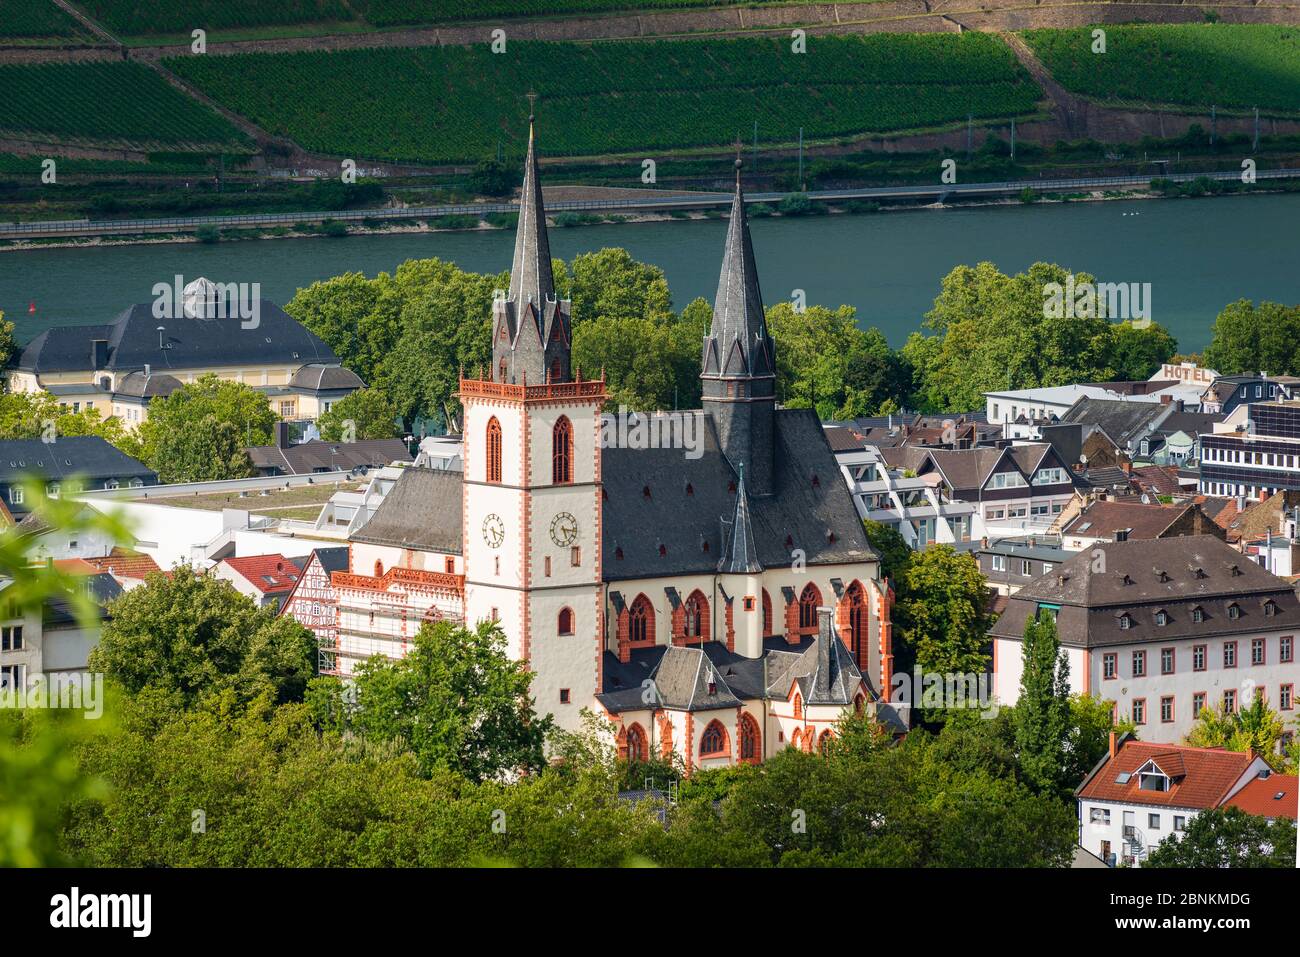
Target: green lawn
(451,104)
(1194,65)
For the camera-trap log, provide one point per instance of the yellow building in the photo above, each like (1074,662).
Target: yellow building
(152,349)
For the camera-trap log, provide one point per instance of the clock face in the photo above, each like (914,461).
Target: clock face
(494,530)
(564,529)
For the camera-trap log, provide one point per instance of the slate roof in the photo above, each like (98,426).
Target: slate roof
(1200,777)
(142,386)
(688,499)
(1193,423)
(740,556)
(824,671)
(1120,420)
(421,511)
(60,611)
(333,559)
(738,343)
(87,456)
(1140,578)
(325,378)
(1104,518)
(687,679)
(190,343)
(317,455)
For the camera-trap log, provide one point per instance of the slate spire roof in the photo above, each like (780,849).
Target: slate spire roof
(741,557)
(531,279)
(738,344)
(530,329)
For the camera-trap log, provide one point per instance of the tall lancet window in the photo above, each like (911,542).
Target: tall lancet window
(562,452)
(493,450)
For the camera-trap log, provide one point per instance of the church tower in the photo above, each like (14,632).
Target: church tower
(531,501)
(530,327)
(739,365)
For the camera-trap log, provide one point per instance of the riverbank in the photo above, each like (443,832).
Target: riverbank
(563,220)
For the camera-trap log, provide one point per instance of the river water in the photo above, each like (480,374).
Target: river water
(1198,255)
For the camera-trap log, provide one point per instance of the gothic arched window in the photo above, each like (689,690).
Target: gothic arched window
(714,740)
(562,452)
(565,623)
(767,613)
(636,747)
(697,611)
(857,617)
(493,450)
(641,622)
(808,602)
(749,740)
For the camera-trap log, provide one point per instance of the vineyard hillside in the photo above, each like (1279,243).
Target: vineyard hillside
(451,104)
(111,102)
(36,19)
(1200,65)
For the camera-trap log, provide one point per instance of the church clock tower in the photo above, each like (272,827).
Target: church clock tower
(532,493)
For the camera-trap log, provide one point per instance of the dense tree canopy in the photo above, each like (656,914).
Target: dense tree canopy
(365,414)
(199,432)
(940,612)
(1247,339)
(992,332)
(1228,837)
(194,635)
(1043,709)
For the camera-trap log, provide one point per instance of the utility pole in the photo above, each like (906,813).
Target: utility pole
(1013,139)
(802,185)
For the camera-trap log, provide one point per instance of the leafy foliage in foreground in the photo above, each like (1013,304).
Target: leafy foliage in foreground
(456,104)
(1228,837)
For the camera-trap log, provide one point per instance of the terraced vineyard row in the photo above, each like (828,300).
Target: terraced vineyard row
(402,12)
(117,101)
(1201,65)
(35,19)
(443,104)
(157,17)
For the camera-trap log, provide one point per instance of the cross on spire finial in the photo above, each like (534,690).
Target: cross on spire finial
(532,104)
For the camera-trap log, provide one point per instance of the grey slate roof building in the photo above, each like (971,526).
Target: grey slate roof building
(132,341)
(422,511)
(1124,422)
(285,458)
(1195,582)
(87,459)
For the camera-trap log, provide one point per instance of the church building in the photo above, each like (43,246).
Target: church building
(718,603)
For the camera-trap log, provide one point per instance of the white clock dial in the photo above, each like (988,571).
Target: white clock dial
(494,530)
(564,529)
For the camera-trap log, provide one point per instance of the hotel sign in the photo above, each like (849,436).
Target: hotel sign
(1188,372)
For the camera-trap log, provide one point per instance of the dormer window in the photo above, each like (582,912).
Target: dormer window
(1270,608)
(1125,622)
(1198,614)
(1153,781)
(1162,618)
(1234,611)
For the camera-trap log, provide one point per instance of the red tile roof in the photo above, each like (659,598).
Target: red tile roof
(75,566)
(1200,777)
(267,573)
(1161,479)
(1260,796)
(126,565)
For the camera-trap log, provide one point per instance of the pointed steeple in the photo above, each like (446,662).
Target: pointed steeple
(531,279)
(531,329)
(740,557)
(739,362)
(738,344)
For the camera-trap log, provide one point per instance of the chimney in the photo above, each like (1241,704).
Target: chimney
(1178,405)
(1112,744)
(146,370)
(98,353)
(282,435)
